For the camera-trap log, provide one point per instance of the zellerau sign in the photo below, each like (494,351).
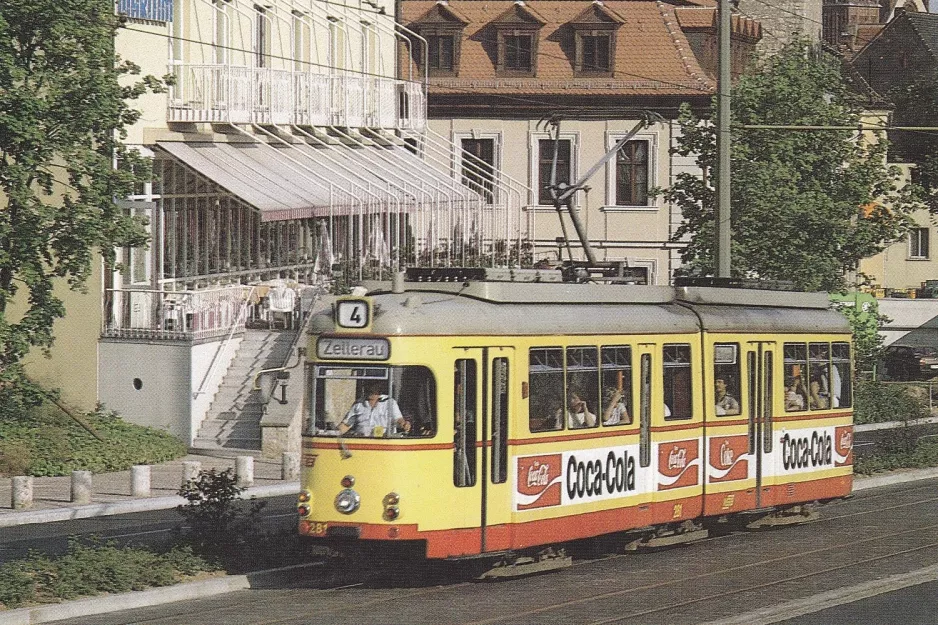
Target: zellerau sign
(357,348)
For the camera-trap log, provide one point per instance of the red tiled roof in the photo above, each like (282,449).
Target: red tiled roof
(652,57)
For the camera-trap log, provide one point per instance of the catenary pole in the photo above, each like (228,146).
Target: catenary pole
(722,215)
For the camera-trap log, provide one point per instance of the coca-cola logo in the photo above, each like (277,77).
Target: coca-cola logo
(843,446)
(678,464)
(539,482)
(728,458)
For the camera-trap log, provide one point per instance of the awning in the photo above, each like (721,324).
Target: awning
(297,181)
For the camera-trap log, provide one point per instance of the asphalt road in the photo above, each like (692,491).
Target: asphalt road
(877,534)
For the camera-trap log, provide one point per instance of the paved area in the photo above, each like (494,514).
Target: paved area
(111,492)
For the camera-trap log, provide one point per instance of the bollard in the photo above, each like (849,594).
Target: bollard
(290,466)
(244,471)
(140,480)
(190,471)
(22,495)
(81,487)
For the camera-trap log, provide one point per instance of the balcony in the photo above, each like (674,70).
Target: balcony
(176,315)
(211,93)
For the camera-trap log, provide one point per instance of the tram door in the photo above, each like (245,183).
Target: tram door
(760,361)
(483,379)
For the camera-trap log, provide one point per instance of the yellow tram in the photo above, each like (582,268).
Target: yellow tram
(472,411)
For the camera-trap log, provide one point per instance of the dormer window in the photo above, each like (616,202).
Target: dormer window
(517,32)
(516,52)
(594,32)
(594,52)
(441,57)
(442,28)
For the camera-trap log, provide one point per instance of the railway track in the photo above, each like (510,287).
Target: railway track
(872,535)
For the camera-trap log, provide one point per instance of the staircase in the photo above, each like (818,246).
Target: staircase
(233,420)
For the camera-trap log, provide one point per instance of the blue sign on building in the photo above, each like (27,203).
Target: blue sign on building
(155,10)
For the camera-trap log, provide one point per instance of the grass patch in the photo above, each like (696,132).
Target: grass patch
(45,442)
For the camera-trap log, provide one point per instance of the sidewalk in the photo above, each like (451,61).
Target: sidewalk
(111,492)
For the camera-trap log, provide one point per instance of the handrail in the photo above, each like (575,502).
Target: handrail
(241,313)
(296,339)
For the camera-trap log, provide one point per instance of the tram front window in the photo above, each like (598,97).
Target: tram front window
(373,401)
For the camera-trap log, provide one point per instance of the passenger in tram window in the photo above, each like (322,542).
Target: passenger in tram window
(616,411)
(578,413)
(375,415)
(815,400)
(794,394)
(726,404)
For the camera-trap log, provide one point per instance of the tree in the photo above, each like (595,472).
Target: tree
(63,111)
(917,105)
(807,206)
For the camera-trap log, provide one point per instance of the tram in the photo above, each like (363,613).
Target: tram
(473,412)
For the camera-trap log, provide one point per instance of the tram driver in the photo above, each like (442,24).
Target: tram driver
(374,415)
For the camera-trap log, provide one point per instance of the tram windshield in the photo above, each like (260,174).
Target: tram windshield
(373,401)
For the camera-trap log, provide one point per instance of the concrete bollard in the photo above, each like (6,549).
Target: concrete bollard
(190,471)
(290,466)
(140,480)
(22,494)
(81,487)
(244,471)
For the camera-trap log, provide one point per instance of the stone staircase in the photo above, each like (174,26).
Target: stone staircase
(233,420)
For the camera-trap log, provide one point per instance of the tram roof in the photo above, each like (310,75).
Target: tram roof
(480,308)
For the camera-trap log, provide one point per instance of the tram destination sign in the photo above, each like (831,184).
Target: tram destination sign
(350,348)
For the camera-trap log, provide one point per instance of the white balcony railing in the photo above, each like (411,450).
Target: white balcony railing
(227,93)
(179,315)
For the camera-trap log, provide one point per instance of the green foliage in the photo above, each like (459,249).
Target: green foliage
(47,442)
(93,569)
(63,113)
(921,455)
(877,402)
(217,525)
(865,322)
(917,105)
(806,205)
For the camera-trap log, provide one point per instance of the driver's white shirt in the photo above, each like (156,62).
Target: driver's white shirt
(363,419)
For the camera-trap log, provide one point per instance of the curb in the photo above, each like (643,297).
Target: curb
(50,515)
(897,477)
(141,598)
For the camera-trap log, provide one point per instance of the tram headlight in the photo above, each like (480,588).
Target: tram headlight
(348,481)
(304,496)
(392,499)
(302,509)
(347,501)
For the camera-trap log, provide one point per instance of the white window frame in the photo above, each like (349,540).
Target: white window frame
(914,232)
(613,137)
(496,136)
(534,161)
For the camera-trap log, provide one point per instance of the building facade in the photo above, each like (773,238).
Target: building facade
(538,92)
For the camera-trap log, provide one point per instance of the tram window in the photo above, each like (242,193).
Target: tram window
(374,402)
(796,369)
(819,379)
(677,382)
(644,436)
(582,400)
(616,379)
(499,420)
(726,379)
(545,379)
(464,417)
(841,391)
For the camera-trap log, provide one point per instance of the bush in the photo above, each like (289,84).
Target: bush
(876,402)
(217,524)
(91,569)
(921,455)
